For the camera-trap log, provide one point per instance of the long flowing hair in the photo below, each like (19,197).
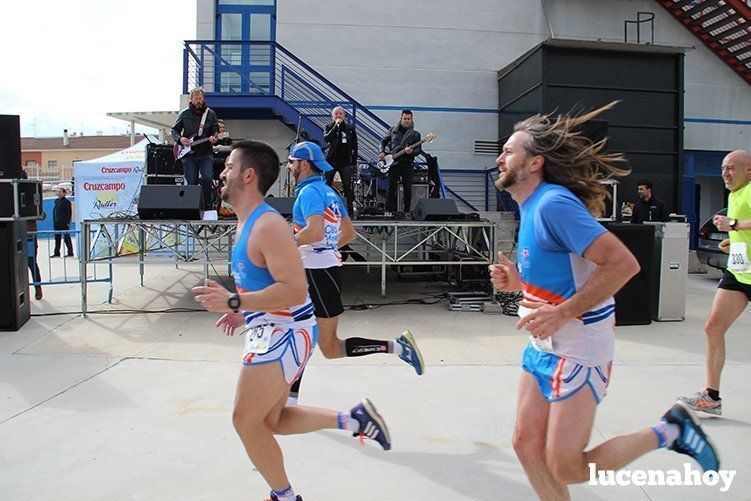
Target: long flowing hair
(572,159)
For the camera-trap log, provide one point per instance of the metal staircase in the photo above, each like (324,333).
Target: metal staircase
(266,77)
(722,25)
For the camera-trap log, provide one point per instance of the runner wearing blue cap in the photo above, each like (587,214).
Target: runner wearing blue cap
(322,226)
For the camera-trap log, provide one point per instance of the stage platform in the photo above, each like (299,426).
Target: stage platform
(379,243)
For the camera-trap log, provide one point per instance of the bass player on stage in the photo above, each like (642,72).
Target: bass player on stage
(399,138)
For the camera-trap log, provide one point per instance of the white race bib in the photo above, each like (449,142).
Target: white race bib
(258,339)
(738,259)
(544,345)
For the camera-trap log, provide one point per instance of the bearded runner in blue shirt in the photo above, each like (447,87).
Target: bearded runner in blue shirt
(322,226)
(569,267)
(272,303)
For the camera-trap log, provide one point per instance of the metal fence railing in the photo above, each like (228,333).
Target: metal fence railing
(50,264)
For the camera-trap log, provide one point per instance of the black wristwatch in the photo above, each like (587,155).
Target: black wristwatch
(732,224)
(234,302)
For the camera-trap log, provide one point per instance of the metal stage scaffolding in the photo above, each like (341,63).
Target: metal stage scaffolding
(382,243)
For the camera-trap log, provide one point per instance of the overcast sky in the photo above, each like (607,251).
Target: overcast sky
(67,63)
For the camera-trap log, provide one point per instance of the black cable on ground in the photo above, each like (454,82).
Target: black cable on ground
(118,312)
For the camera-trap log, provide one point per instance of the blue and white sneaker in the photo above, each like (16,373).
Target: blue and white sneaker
(692,440)
(410,353)
(372,424)
(275,498)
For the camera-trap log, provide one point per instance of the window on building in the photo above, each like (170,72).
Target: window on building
(245,67)
(52,164)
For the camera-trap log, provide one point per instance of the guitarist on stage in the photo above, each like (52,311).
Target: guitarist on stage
(197,121)
(399,138)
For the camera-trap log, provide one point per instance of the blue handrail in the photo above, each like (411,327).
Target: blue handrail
(269,69)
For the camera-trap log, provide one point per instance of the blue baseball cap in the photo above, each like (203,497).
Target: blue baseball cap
(312,153)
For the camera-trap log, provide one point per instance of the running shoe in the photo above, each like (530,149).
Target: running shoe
(701,401)
(274,498)
(372,424)
(692,440)
(410,353)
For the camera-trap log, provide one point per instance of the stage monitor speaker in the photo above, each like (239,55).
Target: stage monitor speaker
(419,191)
(633,303)
(14,276)
(435,209)
(283,205)
(170,202)
(10,147)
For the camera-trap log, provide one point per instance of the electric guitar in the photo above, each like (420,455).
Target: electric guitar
(180,151)
(385,164)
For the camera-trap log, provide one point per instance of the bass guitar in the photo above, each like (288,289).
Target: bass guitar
(385,164)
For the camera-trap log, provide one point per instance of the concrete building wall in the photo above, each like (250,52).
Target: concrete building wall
(441,58)
(437,58)
(268,131)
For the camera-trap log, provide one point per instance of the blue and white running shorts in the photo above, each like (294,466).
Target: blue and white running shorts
(292,348)
(559,378)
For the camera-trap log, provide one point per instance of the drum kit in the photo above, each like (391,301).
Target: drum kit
(369,186)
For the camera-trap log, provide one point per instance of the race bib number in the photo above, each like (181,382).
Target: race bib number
(738,259)
(258,339)
(544,345)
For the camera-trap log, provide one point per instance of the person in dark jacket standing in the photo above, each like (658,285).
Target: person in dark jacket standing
(649,208)
(61,216)
(195,122)
(342,152)
(399,138)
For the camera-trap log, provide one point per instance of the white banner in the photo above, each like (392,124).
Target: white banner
(109,186)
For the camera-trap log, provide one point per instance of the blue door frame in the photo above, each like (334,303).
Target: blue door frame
(254,62)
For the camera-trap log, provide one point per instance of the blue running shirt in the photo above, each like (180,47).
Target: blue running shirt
(314,196)
(556,228)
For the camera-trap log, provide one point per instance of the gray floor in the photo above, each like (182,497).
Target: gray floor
(138,406)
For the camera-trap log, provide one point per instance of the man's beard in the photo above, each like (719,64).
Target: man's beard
(295,175)
(197,107)
(225,195)
(508,179)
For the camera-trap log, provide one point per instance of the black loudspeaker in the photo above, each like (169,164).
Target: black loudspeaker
(22,195)
(283,205)
(14,276)
(435,209)
(171,202)
(10,147)
(633,303)
(160,161)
